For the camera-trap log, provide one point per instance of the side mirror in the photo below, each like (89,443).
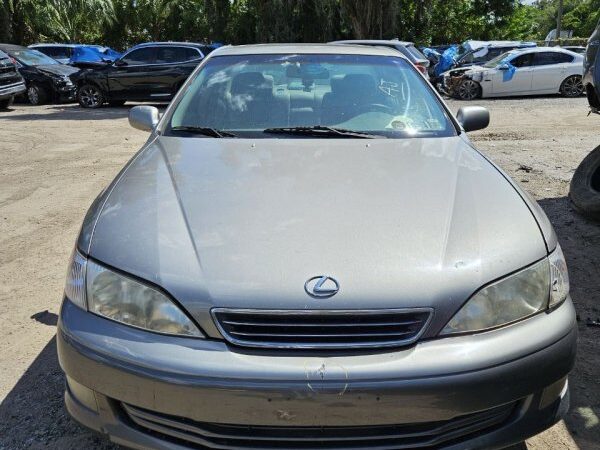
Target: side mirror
(473,118)
(503,67)
(120,63)
(143,118)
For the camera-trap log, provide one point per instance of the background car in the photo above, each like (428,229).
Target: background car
(46,79)
(574,48)
(408,49)
(536,71)
(11,82)
(591,76)
(78,55)
(479,52)
(152,71)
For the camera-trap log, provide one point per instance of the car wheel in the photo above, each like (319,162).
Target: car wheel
(585,186)
(4,104)
(90,96)
(572,86)
(36,95)
(116,102)
(469,90)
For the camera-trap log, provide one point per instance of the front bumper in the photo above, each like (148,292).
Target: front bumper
(112,367)
(65,93)
(11,90)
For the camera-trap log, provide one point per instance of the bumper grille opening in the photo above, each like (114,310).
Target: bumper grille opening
(314,329)
(224,436)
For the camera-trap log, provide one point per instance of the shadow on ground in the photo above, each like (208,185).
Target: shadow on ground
(580,241)
(71,112)
(33,415)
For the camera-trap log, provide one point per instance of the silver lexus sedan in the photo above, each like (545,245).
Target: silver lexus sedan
(309,253)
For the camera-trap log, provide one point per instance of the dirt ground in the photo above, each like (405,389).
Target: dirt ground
(55,159)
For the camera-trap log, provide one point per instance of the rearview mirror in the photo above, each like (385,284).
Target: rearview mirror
(120,63)
(503,67)
(473,118)
(143,118)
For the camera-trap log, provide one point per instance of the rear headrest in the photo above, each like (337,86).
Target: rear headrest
(249,82)
(358,83)
(336,83)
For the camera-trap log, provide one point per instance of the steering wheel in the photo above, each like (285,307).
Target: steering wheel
(379,107)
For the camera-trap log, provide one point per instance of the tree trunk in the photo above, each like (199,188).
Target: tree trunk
(5,22)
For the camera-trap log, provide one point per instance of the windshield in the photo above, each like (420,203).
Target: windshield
(248,94)
(33,58)
(492,63)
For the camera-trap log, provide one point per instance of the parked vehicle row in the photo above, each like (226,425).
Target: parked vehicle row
(11,82)
(96,75)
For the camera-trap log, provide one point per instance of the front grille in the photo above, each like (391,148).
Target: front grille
(386,437)
(330,329)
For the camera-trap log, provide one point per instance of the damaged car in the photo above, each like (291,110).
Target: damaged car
(46,79)
(11,82)
(82,56)
(535,71)
(304,255)
(471,53)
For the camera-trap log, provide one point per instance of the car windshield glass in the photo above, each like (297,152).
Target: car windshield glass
(248,94)
(33,58)
(492,63)
(415,52)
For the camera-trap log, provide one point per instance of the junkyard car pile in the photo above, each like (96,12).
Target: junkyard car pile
(155,70)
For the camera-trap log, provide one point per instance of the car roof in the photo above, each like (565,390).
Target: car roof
(525,51)
(325,49)
(476,45)
(7,48)
(54,44)
(374,42)
(169,43)
(543,49)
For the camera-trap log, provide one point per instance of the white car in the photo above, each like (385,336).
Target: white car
(532,71)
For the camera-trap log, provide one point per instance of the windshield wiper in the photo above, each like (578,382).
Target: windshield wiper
(319,130)
(206,131)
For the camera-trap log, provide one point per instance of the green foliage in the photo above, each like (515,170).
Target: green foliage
(121,23)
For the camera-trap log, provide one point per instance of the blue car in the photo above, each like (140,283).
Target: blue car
(79,55)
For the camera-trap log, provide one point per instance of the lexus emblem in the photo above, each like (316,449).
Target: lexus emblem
(321,286)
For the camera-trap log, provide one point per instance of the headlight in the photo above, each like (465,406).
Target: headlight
(75,285)
(520,295)
(124,299)
(559,277)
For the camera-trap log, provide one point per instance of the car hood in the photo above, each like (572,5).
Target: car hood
(57,69)
(244,223)
(465,70)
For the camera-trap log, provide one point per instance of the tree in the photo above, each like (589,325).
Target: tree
(369,18)
(69,20)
